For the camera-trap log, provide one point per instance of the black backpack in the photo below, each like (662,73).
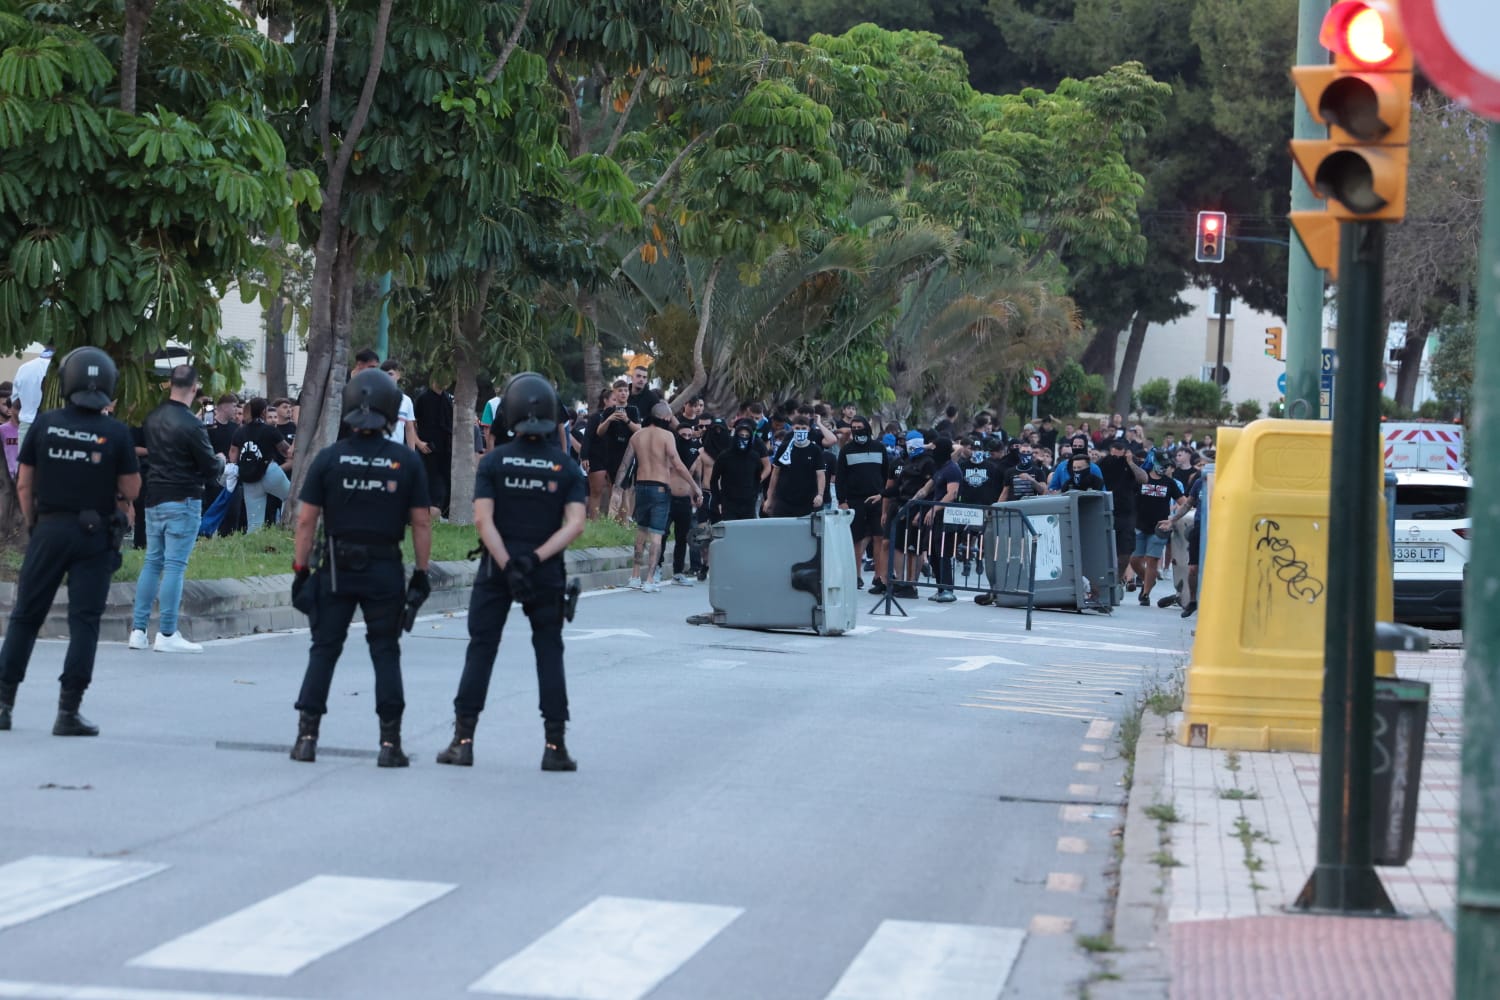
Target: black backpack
(253,463)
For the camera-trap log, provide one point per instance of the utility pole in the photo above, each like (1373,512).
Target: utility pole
(1478,943)
(1304,284)
(1220,375)
(1344,880)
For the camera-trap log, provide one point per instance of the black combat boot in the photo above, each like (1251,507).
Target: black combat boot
(7,703)
(555,757)
(306,747)
(69,722)
(390,745)
(461,750)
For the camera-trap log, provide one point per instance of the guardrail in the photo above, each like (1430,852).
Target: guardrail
(968,548)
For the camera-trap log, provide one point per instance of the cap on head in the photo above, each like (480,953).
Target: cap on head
(372,401)
(88,378)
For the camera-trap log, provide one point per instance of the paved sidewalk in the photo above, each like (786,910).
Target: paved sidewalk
(1245,842)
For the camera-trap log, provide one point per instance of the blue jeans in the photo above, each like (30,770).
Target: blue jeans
(653,507)
(171,531)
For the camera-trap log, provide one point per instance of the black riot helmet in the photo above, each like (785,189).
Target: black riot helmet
(529,405)
(88,378)
(372,401)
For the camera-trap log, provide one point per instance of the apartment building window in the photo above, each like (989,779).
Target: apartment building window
(1222,304)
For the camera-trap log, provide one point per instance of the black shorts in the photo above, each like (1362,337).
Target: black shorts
(866,522)
(1124,541)
(1194,545)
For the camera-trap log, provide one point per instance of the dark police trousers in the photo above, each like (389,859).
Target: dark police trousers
(60,545)
(489,607)
(379,592)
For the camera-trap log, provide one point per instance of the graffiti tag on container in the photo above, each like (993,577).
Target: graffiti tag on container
(1290,570)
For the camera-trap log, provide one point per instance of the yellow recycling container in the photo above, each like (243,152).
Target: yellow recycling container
(1256,677)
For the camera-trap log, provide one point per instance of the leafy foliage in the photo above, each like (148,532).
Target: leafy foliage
(1194,398)
(1156,395)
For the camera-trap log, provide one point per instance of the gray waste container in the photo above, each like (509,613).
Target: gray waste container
(1400,728)
(1075,548)
(785,572)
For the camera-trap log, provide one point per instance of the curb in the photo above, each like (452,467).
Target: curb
(222,609)
(1140,924)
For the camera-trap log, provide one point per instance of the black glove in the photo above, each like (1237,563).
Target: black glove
(303,596)
(417,592)
(518,577)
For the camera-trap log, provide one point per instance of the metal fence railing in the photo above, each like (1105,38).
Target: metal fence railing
(959,548)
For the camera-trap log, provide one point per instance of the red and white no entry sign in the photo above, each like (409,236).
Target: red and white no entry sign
(1040,382)
(1454,43)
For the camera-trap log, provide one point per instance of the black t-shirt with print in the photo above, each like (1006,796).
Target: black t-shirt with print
(77,456)
(1154,501)
(796,469)
(258,443)
(982,483)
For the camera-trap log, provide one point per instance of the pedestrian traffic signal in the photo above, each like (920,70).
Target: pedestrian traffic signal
(1365,100)
(1273,342)
(1211,226)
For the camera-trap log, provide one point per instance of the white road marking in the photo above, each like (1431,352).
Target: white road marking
(980,662)
(42,884)
(61,991)
(585,634)
(1023,710)
(908,960)
(1099,729)
(865,629)
(612,949)
(292,929)
(1027,640)
(718,664)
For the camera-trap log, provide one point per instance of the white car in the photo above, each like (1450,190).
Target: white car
(1431,546)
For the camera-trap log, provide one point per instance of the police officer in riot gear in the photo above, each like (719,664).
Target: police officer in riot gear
(530,501)
(367,489)
(77,483)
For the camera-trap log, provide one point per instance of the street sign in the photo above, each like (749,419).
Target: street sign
(1281,383)
(1325,386)
(1454,43)
(1040,382)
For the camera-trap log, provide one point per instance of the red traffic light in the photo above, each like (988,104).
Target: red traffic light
(1211,224)
(1364,33)
(1210,244)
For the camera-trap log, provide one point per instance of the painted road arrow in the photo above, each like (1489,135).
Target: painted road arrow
(583,635)
(980,662)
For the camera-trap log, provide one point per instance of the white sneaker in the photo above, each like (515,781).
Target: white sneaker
(656,575)
(684,581)
(652,588)
(138,639)
(635,583)
(175,643)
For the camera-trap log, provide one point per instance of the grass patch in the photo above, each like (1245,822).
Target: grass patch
(1247,836)
(269,551)
(1165,859)
(1096,943)
(1238,794)
(1232,760)
(1164,812)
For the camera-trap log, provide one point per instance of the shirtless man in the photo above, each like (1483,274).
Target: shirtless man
(658,468)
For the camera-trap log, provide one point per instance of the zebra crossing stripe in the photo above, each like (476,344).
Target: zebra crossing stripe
(61,991)
(614,948)
(292,929)
(35,886)
(909,960)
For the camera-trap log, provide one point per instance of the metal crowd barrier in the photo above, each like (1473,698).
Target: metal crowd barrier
(962,547)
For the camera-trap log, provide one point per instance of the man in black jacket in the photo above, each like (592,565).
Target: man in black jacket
(860,476)
(182,463)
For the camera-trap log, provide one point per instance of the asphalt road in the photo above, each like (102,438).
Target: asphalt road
(920,810)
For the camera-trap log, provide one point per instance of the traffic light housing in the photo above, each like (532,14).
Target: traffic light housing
(1364,98)
(1273,342)
(1211,232)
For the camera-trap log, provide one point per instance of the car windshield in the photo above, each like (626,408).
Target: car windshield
(1432,503)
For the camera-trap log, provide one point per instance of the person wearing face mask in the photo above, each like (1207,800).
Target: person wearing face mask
(861,474)
(1081,475)
(911,474)
(735,481)
(1057,482)
(798,481)
(943,487)
(1154,506)
(1021,480)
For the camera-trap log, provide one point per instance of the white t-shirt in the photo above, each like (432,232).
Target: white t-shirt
(406,414)
(28,387)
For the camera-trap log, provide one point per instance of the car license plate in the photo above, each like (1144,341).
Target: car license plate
(1421,553)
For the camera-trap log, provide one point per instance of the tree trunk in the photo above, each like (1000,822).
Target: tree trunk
(593,353)
(276,347)
(1409,357)
(137,13)
(1099,356)
(1125,387)
(466,352)
(705,313)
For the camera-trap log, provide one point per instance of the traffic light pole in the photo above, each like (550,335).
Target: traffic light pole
(1223,321)
(1478,944)
(1344,880)
(1304,284)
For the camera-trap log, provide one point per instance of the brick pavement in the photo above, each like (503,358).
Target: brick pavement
(1246,841)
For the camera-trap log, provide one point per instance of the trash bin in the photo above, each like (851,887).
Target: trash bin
(1400,728)
(1075,549)
(785,572)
